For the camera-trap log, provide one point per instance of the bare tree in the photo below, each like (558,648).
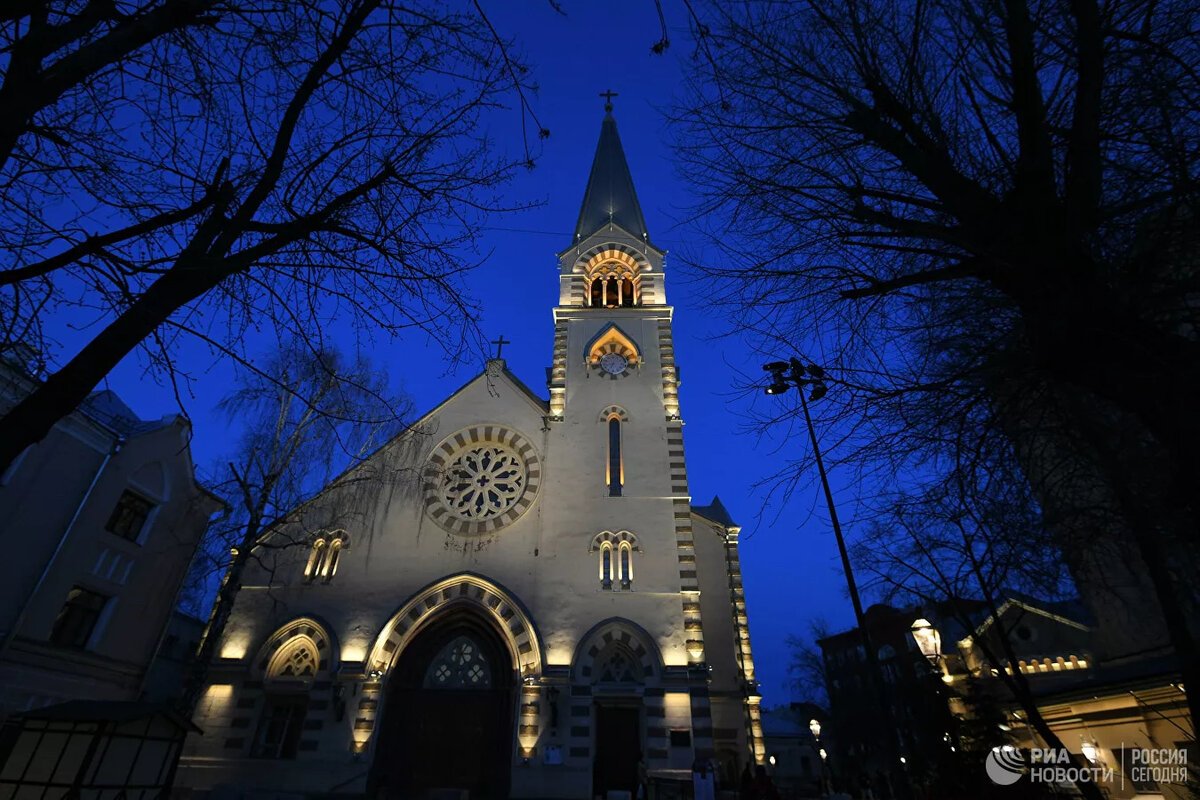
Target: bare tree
(243,164)
(807,667)
(968,539)
(983,216)
(309,421)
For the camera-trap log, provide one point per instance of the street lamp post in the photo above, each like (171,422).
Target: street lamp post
(784,375)
(814,727)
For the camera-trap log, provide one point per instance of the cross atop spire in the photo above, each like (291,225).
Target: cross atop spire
(608,95)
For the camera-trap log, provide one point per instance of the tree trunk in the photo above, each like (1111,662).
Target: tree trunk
(206,652)
(31,419)
(1141,374)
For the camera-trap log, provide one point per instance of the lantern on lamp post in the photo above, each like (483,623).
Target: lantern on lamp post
(929,641)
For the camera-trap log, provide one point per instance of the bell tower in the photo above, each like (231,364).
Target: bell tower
(614,416)
(612,298)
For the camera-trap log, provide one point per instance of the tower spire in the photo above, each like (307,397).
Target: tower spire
(610,198)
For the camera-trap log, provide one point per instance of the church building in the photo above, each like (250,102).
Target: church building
(519,599)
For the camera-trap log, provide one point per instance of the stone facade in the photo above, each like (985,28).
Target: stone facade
(99,523)
(562,530)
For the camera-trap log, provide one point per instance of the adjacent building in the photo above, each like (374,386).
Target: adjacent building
(942,668)
(98,523)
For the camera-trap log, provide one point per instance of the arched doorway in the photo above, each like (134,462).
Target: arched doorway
(447,716)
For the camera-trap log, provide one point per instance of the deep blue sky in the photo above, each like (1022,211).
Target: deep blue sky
(789,559)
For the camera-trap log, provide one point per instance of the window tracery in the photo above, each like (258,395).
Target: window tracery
(480,479)
(484,482)
(297,659)
(615,664)
(613,285)
(459,665)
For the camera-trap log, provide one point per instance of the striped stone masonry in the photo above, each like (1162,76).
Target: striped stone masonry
(685,544)
(557,382)
(670,374)
(741,629)
(657,736)
(702,728)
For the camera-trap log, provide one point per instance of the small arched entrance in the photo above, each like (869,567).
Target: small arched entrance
(447,717)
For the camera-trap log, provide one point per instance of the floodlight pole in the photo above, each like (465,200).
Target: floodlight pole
(797,377)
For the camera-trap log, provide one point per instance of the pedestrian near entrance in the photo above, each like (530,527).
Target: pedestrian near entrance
(703,779)
(746,788)
(763,787)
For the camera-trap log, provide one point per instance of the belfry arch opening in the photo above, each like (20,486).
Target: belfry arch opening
(612,279)
(613,290)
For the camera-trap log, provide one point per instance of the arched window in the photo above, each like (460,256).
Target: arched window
(627,294)
(615,469)
(325,554)
(329,568)
(297,659)
(606,566)
(313,566)
(597,298)
(289,675)
(612,291)
(615,552)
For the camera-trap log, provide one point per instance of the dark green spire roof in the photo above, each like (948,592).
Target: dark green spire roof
(610,197)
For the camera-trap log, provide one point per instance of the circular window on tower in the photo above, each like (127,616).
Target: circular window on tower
(480,479)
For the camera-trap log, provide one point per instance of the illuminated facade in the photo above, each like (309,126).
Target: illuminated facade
(528,601)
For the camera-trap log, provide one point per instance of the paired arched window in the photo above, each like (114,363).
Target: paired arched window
(615,552)
(324,555)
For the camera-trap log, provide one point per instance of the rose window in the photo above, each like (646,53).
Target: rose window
(480,479)
(483,482)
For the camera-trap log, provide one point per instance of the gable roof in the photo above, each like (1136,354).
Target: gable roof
(610,198)
(542,407)
(107,408)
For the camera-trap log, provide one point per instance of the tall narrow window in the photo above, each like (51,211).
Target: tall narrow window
(612,293)
(615,466)
(606,566)
(627,298)
(314,559)
(626,565)
(329,569)
(597,293)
